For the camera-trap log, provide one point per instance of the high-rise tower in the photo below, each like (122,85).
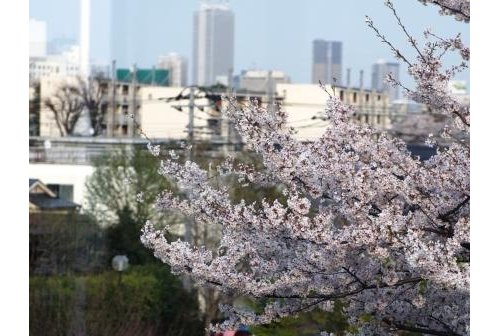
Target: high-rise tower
(85,38)
(380,70)
(327,62)
(213,43)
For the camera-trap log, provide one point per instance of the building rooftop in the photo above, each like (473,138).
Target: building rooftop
(46,202)
(45,199)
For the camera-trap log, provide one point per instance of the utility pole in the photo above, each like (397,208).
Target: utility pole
(111,116)
(361,72)
(348,80)
(229,124)
(270,91)
(130,123)
(191,122)
(189,221)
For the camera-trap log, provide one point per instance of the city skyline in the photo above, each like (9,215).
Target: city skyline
(264,37)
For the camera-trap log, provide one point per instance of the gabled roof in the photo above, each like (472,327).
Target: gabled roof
(35,183)
(45,199)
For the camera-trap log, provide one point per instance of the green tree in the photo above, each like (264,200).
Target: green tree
(145,300)
(120,197)
(112,200)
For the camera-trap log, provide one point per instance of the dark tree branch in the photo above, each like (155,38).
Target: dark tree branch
(401,326)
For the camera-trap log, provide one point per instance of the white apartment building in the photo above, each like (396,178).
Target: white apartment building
(306,103)
(157,112)
(66,64)
(163,112)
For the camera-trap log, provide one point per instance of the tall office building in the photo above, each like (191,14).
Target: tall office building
(380,70)
(327,62)
(177,67)
(139,32)
(213,43)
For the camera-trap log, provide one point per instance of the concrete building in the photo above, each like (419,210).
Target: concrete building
(156,111)
(161,112)
(38,38)
(177,67)
(213,43)
(65,64)
(327,62)
(164,118)
(305,105)
(380,71)
(262,80)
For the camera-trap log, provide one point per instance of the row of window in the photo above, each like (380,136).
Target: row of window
(34,66)
(355,97)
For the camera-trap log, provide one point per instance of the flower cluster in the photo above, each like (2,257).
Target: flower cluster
(363,222)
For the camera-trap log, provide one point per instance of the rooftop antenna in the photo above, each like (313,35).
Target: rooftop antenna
(361,79)
(348,80)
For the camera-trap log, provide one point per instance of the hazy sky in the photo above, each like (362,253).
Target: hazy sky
(269,34)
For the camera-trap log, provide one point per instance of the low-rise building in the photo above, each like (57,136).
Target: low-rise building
(65,64)
(177,67)
(44,199)
(305,105)
(262,80)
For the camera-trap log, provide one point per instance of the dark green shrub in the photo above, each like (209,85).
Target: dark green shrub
(144,300)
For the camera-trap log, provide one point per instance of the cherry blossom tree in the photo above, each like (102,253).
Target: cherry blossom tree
(363,222)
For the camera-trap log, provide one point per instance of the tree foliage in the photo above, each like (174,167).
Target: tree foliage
(361,221)
(120,196)
(146,300)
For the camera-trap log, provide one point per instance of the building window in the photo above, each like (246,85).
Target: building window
(378,97)
(354,97)
(62,191)
(214,125)
(341,95)
(367,97)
